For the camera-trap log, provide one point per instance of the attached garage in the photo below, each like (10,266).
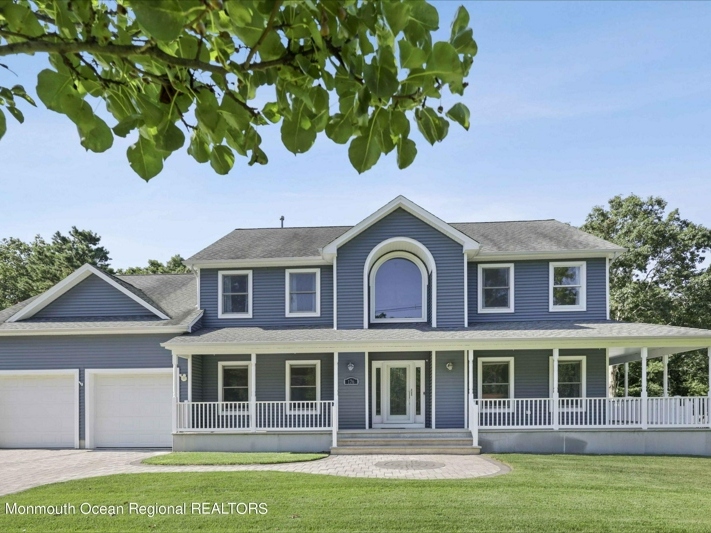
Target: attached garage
(129,408)
(39,409)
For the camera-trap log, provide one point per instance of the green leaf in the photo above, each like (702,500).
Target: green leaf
(128,124)
(19,90)
(271,112)
(234,114)
(3,124)
(162,19)
(364,151)
(97,137)
(411,56)
(340,128)
(51,86)
(144,159)
(460,114)
(433,127)
(222,159)
(444,62)
(399,124)
(199,149)
(397,14)
(460,22)
(464,43)
(406,152)
(297,132)
(381,74)
(16,113)
(169,138)
(22,20)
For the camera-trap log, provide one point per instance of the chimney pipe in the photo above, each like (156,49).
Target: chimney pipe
(282,220)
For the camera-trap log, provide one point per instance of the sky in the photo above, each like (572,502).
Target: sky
(571,104)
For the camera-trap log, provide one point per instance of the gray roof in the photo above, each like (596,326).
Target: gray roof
(174,294)
(524,236)
(546,330)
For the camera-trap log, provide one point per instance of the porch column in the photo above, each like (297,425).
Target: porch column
(174,409)
(556,407)
(473,421)
(190,378)
(708,394)
(253,394)
(627,380)
(644,388)
(367,391)
(334,412)
(665,359)
(433,388)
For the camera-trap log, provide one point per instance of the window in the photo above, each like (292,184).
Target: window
(496,288)
(398,289)
(303,292)
(303,381)
(567,286)
(235,294)
(571,376)
(234,381)
(495,381)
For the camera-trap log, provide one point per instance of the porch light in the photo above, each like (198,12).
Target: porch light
(450,366)
(183,377)
(350,367)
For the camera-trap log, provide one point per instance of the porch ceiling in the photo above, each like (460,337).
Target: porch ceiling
(623,337)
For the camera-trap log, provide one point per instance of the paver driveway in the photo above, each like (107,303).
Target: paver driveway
(24,469)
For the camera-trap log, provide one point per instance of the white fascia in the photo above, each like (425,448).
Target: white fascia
(71,281)
(469,245)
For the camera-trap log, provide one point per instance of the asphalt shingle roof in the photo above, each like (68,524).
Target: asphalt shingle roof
(494,237)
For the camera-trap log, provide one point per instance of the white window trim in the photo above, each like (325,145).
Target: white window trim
(423,276)
(583,287)
(581,406)
(221,274)
(510,361)
(221,365)
(480,288)
(309,362)
(287,296)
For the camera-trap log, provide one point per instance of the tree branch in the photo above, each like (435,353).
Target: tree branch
(267,29)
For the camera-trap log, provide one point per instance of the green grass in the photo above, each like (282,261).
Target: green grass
(542,493)
(227,458)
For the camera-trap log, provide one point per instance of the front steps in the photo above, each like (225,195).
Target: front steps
(405,442)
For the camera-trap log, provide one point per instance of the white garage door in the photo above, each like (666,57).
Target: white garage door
(131,410)
(38,411)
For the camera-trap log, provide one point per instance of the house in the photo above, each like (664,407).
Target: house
(401,333)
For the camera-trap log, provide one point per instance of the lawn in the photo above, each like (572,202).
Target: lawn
(226,458)
(542,493)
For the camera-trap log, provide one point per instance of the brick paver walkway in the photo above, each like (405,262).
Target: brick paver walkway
(24,469)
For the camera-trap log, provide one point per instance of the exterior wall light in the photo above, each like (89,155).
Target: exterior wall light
(350,367)
(183,377)
(450,366)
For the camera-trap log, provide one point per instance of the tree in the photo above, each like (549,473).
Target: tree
(30,268)
(661,279)
(358,70)
(174,265)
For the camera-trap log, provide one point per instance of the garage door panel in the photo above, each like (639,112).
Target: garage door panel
(38,411)
(132,410)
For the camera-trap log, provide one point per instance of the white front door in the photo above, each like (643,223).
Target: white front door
(398,394)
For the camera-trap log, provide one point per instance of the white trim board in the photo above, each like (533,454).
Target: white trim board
(470,245)
(259,262)
(73,280)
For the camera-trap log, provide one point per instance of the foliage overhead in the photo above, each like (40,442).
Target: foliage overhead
(174,265)
(30,268)
(660,279)
(207,74)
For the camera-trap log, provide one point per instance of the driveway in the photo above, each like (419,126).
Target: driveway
(24,469)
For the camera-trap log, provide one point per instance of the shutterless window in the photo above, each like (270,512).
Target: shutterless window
(496,291)
(570,379)
(568,286)
(235,383)
(398,291)
(303,292)
(303,383)
(235,294)
(495,380)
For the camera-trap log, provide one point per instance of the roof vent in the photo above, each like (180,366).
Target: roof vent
(282,220)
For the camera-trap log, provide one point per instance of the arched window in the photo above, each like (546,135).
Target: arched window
(398,289)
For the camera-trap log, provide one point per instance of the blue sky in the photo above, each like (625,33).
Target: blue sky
(571,104)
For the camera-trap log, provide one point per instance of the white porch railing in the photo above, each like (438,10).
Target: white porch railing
(528,413)
(259,416)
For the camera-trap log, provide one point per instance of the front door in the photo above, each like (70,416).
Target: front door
(398,394)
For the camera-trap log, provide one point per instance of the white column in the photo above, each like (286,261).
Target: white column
(367,390)
(433,393)
(175,394)
(627,380)
(708,394)
(644,388)
(665,360)
(473,422)
(334,415)
(610,374)
(556,407)
(190,378)
(253,393)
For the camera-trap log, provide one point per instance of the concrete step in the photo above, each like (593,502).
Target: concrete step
(406,450)
(402,434)
(408,442)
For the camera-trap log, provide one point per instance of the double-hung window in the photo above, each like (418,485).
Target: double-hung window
(496,288)
(235,298)
(571,381)
(303,292)
(303,382)
(496,382)
(567,286)
(234,382)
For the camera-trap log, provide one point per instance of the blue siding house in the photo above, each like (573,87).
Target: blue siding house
(401,334)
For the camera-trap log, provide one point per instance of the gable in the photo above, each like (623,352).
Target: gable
(93,297)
